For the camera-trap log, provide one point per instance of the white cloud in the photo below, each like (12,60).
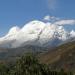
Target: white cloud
(58,21)
(47,17)
(51,18)
(65,22)
(52,4)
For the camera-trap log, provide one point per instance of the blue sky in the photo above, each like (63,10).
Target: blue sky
(19,12)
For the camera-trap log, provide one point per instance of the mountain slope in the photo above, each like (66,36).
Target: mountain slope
(61,57)
(36,33)
(10,54)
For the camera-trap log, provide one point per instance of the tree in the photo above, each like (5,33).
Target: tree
(29,65)
(4,69)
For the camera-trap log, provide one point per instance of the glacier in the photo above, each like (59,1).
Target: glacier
(36,33)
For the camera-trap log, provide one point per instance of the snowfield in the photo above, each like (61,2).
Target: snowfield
(36,33)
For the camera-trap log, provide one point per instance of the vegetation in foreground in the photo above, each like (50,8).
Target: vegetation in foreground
(29,65)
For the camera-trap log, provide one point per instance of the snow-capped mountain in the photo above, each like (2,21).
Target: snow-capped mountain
(36,33)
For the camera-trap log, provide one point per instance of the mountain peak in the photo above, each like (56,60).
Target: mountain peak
(13,30)
(36,33)
(34,25)
(72,33)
